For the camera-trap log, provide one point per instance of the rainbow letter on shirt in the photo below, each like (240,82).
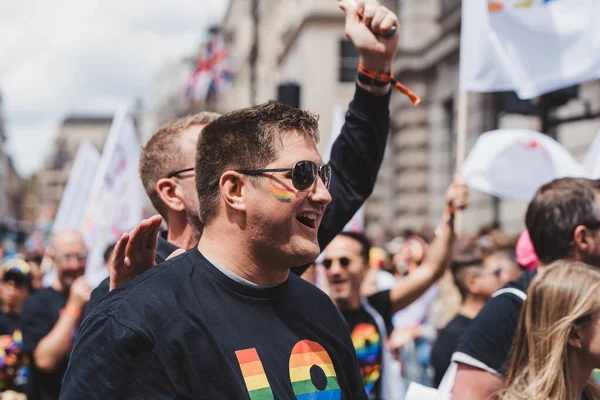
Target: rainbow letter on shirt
(312,373)
(254,375)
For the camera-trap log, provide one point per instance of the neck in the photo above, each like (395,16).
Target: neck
(579,374)
(181,233)
(350,304)
(229,250)
(471,306)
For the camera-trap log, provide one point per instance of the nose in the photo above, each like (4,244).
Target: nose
(335,268)
(320,193)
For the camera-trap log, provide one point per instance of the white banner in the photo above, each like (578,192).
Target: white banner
(529,46)
(514,163)
(117,197)
(75,197)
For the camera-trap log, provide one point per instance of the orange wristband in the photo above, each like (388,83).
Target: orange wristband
(389,78)
(72,311)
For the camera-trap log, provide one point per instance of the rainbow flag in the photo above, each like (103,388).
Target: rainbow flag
(312,373)
(254,375)
(367,343)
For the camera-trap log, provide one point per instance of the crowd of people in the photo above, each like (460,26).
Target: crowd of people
(254,290)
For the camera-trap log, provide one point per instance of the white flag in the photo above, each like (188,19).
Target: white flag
(75,197)
(116,202)
(529,46)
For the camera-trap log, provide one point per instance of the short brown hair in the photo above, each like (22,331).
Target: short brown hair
(556,210)
(464,264)
(161,156)
(244,139)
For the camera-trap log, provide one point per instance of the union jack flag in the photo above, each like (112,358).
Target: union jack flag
(213,73)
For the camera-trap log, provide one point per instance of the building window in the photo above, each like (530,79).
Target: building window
(348,61)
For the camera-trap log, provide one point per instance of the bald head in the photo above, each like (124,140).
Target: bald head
(69,255)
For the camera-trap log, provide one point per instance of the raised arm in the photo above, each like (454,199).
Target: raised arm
(358,151)
(438,254)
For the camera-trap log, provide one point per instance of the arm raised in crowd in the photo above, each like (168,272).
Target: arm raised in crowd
(436,260)
(357,153)
(53,347)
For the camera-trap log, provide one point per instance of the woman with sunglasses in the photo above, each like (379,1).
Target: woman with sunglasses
(557,344)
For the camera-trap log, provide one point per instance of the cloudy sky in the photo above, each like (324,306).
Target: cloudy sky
(64,56)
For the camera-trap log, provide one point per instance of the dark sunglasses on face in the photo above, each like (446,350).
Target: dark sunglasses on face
(344,262)
(304,174)
(497,272)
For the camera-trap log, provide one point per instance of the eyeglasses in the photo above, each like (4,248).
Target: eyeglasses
(344,262)
(181,171)
(304,173)
(81,256)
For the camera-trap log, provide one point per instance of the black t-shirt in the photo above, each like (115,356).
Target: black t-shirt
(185,330)
(164,248)
(367,339)
(40,314)
(446,343)
(487,342)
(9,323)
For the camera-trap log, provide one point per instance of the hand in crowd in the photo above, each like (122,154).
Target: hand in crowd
(372,28)
(79,293)
(457,196)
(135,251)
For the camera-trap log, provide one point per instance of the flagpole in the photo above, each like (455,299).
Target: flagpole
(461,144)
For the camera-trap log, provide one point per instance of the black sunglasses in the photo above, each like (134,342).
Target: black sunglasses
(181,171)
(344,262)
(304,174)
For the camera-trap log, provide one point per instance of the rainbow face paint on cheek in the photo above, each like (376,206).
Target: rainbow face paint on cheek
(281,194)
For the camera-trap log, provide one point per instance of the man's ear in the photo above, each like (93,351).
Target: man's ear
(584,242)
(168,193)
(574,338)
(232,188)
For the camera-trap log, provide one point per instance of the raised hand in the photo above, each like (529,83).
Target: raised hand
(457,196)
(135,252)
(372,28)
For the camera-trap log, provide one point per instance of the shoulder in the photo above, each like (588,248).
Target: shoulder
(518,287)
(40,299)
(153,291)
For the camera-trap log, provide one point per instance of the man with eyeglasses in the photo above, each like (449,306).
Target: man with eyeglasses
(346,260)
(52,315)
(227,319)
(167,161)
(477,277)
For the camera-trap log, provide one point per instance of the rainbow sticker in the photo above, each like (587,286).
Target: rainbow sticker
(312,373)
(367,343)
(254,375)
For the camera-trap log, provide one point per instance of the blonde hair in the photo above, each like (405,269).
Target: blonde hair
(560,299)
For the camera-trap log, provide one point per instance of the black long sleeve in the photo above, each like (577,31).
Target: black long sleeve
(356,157)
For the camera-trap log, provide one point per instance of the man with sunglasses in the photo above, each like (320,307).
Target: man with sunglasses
(346,260)
(477,278)
(227,319)
(167,172)
(51,316)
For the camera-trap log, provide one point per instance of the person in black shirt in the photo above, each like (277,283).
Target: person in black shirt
(167,172)
(14,364)
(346,260)
(51,316)
(227,320)
(563,223)
(476,280)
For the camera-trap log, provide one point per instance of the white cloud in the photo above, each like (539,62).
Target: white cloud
(91,55)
